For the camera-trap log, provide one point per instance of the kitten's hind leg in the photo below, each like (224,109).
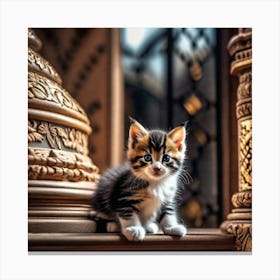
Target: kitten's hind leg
(113,227)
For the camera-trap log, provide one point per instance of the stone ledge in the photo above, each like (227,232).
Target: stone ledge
(195,240)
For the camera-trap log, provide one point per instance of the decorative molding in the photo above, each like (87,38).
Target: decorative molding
(57,136)
(245,155)
(83,185)
(44,164)
(240,42)
(58,118)
(240,47)
(244,89)
(242,199)
(244,109)
(33,134)
(239,221)
(244,96)
(243,233)
(62,178)
(38,64)
(44,89)
(33,41)
(242,55)
(82,79)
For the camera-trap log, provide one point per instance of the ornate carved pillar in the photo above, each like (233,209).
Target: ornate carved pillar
(61,176)
(239,222)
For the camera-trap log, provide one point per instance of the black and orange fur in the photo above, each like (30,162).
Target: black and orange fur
(142,193)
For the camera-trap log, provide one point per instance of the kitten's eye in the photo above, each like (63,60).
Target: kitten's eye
(147,157)
(166,158)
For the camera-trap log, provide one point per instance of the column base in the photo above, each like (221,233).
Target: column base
(239,223)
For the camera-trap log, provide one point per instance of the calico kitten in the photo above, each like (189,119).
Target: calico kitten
(141,194)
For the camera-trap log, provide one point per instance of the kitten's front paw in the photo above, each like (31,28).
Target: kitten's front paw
(152,228)
(179,230)
(134,233)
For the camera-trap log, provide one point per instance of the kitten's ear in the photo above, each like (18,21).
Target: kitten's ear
(178,136)
(136,131)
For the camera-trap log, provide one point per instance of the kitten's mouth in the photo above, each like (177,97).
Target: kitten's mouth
(157,174)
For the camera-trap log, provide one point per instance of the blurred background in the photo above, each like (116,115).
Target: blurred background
(161,77)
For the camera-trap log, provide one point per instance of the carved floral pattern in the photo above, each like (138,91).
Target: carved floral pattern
(33,135)
(60,165)
(243,233)
(40,64)
(242,199)
(57,136)
(245,155)
(244,110)
(244,95)
(239,222)
(44,89)
(245,86)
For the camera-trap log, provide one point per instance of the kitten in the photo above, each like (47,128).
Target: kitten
(141,194)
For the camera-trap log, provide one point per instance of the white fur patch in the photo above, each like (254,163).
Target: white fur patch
(178,229)
(152,228)
(134,233)
(160,192)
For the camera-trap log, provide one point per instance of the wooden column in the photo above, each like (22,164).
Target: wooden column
(89,61)
(239,221)
(61,176)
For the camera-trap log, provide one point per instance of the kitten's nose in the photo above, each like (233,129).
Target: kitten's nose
(156,169)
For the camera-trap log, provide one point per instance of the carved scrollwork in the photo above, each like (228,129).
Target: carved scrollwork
(46,164)
(39,64)
(33,41)
(239,221)
(244,95)
(62,178)
(245,155)
(33,135)
(240,47)
(242,199)
(243,233)
(44,89)
(57,136)
(244,89)
(240,42)
(244,110)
